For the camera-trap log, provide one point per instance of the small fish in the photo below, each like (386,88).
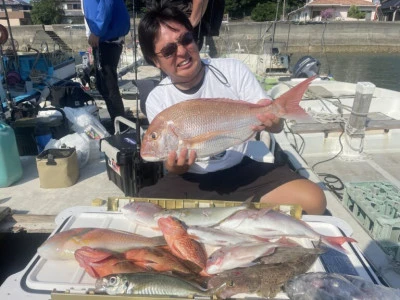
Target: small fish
(331,286)
(98,263)
(63,245)
(181,244)
(148,284)
(156,259)
(263,280)
(268,223)
(210,126)
(242,255)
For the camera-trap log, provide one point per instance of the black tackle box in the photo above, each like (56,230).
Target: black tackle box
(124,164)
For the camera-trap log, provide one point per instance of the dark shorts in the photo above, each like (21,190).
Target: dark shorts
(245,180)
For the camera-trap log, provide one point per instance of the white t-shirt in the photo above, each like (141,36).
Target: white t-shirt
(224,78)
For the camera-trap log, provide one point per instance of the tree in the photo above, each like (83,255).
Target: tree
(354,12)
(46,12)
(239,8)
(265,12)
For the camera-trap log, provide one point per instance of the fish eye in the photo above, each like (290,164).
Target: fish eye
(231,283)
(154,135)
(113,280)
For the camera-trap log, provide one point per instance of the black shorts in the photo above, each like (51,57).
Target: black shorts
(245,180)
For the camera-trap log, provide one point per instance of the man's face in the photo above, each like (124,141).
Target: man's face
(177,55)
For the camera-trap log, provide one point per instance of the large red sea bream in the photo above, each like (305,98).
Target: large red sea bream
(210,126)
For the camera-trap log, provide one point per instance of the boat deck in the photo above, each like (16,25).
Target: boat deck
(376,167)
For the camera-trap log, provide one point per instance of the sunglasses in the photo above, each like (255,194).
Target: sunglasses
(171,48)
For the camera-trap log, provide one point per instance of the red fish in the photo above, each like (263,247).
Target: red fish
(98,263)
(157,259)
(210,126)
(181,244)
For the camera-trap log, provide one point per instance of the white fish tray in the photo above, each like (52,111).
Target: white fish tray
(45,276)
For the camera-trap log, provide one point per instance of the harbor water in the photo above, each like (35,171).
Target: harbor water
(382,69)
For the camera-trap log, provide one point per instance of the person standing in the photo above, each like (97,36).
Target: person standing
(108,23)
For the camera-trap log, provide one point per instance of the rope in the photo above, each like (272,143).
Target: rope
(324,118)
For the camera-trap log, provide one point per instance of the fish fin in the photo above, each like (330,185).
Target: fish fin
(89,255)
(336,242)
(260,239)
(91,271)
(203,137)
(290,100)
(204,273)
(249,202)
(194,237)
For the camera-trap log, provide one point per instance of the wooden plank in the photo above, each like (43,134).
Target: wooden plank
(28,223)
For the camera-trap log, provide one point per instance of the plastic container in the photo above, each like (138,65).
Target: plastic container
(10,163)
(375,205)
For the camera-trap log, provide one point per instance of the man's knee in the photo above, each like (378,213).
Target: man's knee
(301,191)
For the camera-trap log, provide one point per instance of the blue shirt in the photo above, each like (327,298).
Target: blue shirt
(107,19)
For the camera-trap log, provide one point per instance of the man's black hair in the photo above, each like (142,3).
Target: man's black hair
(150,24)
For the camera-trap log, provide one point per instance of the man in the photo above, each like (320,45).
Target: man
(108,23)
(166,40)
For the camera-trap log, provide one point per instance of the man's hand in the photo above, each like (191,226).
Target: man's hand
(269,121)
(93,40)
(180,164)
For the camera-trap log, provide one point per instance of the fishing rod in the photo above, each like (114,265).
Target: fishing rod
(134,49)
(273,34)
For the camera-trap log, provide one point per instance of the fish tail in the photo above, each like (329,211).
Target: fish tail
(336,242)
(289,101)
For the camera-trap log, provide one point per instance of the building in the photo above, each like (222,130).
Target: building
(312,10)
(18,12)
(72,12)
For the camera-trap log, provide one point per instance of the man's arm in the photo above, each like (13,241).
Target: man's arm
(198,9)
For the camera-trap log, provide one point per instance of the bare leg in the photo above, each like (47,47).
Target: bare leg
(301,191)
